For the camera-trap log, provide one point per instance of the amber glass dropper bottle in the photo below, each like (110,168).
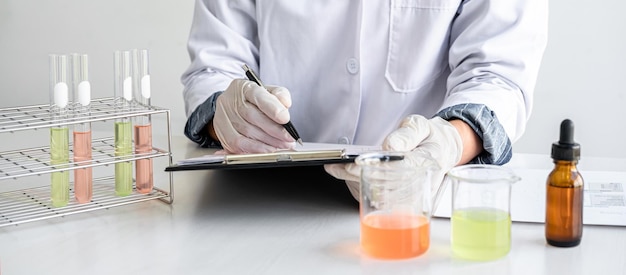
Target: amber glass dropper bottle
(564,193)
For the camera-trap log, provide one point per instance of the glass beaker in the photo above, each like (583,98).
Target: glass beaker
(395,205)
(481,219)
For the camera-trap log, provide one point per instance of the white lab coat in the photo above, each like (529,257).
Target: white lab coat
(356,68)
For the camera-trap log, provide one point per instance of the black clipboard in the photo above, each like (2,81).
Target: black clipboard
(265,160)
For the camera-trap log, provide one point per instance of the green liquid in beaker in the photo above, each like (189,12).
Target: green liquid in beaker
(123,147)
(59,158)
(481,233)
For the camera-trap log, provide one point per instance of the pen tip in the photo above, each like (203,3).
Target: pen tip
(300,142)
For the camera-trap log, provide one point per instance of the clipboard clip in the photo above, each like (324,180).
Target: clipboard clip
(285,156)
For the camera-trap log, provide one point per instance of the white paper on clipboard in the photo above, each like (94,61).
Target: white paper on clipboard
(309,149)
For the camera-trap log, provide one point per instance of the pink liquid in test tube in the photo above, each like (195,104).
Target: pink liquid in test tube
(143,167)
(83,180)
(144,181)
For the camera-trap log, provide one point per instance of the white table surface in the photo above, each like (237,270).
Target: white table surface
(270,221)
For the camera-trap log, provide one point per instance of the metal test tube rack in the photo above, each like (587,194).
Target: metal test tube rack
(33,204)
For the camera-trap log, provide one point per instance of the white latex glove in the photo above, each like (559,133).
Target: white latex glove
(435,137)
(351,172)
(249,119)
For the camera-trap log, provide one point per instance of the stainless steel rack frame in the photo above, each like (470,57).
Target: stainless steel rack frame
(33,204)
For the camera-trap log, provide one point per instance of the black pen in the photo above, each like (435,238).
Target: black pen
(289,127)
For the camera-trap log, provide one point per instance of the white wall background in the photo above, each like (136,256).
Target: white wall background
(30,30)
(580,77)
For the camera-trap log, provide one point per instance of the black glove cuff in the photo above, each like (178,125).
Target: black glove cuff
(197,121)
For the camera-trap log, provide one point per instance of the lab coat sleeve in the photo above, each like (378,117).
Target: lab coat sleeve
(497,147)
(495,53)
(223,36)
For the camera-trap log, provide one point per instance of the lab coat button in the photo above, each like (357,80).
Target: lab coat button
(352,65)
(343,140)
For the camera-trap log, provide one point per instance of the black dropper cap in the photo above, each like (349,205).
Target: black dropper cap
(566,148)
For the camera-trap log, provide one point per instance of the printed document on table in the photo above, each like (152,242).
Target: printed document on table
(604,196)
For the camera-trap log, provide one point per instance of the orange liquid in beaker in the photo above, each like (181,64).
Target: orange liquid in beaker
(395,236)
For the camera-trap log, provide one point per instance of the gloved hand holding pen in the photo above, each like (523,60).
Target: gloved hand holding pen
(249,119)
(434,137)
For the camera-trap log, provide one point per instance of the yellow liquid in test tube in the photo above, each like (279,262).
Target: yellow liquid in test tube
(59,158)
(123,147)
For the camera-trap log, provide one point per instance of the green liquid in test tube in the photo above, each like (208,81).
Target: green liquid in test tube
(59,134)
(123,147)
(59,158)
(123,126)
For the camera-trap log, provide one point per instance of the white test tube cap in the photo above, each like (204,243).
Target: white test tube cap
(84,93)
(61,94)
(127,88)
(145,86)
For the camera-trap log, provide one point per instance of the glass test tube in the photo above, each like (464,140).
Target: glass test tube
(59,135)
(142,124)
(123,129)
(83,179)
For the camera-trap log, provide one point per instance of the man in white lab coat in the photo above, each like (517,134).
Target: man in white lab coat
(452,78)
